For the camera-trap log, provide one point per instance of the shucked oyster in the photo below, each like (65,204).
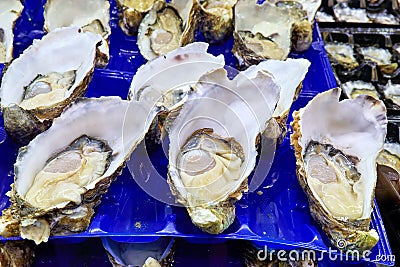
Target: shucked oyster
(61,175)
(158,253)
(166,27)
(382,57)
(48,76)
(342,54)
(336,146)
(90,15)
(216,19)
(132,13)
(9,13)
(353,89)
(392,92)
(157,84)
(210,157)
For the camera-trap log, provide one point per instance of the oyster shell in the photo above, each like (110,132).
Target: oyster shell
(17,253)
(61,175)
(216,19)
(336,145)
(47,77)
(382,57)
(157,84)
(166,27)
(392,92)
(90,15)
(210,158)
(132,13)
(158,253)
(352,89)
(261,32)
(343,54)
(10,11)
(389,164)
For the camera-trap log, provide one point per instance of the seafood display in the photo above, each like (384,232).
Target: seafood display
(10,11)
(342,54)
(61,175)
(166,27)
(158,253)
(92,15)
(56,72)
(336,145)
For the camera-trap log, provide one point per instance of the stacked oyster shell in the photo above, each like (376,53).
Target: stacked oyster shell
(47,77)
(61,175)
(10,10)
(336,146)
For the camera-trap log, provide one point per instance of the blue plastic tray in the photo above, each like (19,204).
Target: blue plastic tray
(279,217)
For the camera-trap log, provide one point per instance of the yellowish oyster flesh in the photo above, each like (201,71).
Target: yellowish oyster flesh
(332,177)
(46,90)
(64,177)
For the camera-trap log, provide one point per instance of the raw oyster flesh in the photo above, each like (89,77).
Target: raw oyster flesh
(342,54)
(353,89)
(157,84)
(336,145)
(132,13)
(10,11)
(47,77)
(389,164)
(158,253)
(382,57)
(61,174)
(392,92)
(210,158)
(216,19)
(90,15)
(166,27)
(344,13)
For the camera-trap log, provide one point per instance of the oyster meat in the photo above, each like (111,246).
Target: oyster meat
(90,15)
(210,157)
(47,77)
(324,17)
(352,89)
(216,19)
(157,84)
(342,54)
(158,253)
(61,175)
(382,57)
(166,27)
(392,92)
(336,145)
(10,11)
(132,13)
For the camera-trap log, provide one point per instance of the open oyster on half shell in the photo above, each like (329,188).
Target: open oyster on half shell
(61,175)
(132,13)
(342,54)
(210,158)
(167,26)
(352,89)
(90,15)
(216,19)
(48,76)
(392,92)
(382,57)
(269,31)
(336,146)
(158,84)
(10,11)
